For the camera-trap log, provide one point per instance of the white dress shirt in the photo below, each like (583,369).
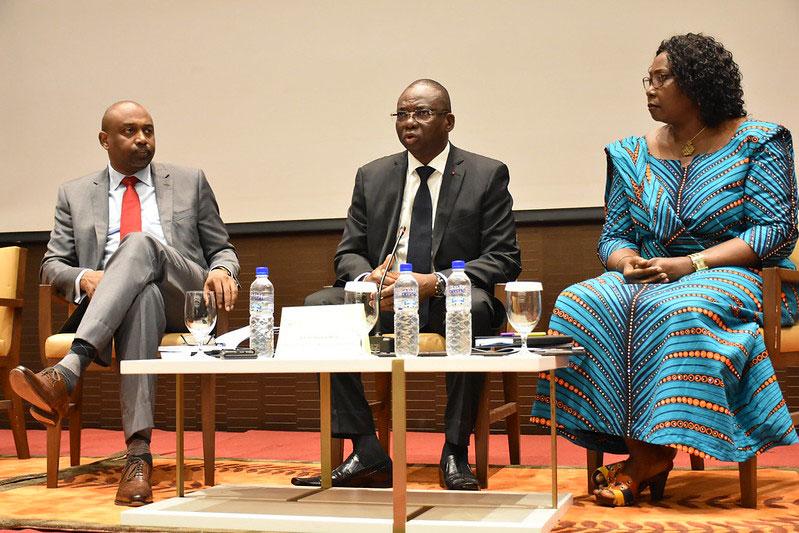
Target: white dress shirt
(412,182)
(150,219)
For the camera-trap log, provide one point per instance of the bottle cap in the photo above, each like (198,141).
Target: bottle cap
(459,264)
(261,271)
(406,267)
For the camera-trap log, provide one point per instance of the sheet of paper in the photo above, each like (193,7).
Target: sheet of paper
(182,349)
(322,332)
(232,339)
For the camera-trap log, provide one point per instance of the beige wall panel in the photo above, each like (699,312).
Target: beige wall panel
(280,102)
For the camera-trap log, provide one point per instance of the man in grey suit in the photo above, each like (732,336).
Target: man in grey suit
(455,205)
(127,243)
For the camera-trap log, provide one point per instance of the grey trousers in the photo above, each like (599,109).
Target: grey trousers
(140,297)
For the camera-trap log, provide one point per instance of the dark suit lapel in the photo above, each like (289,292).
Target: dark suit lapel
(100,208)
(392,193)
(451,184)
(163,197)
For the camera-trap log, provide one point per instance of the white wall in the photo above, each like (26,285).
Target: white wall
(280,102)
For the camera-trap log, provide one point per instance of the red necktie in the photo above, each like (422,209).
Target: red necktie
(130,219)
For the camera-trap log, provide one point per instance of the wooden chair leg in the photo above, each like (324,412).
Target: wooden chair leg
(747,477)
(697,463)
(75,424)
(53,454)
(336,452)
(594,460)
(16,417)
(208,415)
(510,389)
(481,433)
(74,437)
(383,392)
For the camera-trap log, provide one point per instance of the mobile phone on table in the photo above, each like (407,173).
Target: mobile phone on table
(238,353)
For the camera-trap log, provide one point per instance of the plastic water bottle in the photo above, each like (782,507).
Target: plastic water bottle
(459,311)
(262,313)
(406,313)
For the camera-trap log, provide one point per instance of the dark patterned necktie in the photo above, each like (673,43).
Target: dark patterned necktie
(420,240)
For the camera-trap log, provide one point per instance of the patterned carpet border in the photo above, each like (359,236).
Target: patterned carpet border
(695,501)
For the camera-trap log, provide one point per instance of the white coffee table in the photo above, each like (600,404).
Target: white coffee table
(338,509)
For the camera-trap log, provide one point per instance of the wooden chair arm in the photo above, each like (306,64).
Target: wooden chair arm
(11,302)
(48,298)
(499,294)
(46,295)
(772,305)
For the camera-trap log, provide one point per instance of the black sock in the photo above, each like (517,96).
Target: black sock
(368,449)
(139,446)
(460,452)
(85,351)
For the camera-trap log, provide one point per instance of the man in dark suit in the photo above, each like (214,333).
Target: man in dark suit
(128,242)
(456,205)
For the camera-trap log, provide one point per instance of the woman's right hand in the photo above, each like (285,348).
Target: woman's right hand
(636,269)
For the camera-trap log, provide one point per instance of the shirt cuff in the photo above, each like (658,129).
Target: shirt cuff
(78,293)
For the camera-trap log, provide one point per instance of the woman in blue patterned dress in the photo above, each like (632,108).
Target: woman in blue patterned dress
(675,358)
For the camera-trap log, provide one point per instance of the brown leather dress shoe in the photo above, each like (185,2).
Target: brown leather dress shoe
(45,390)
(135,486)
(48,419)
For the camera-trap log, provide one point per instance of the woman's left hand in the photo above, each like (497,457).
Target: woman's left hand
(674,267)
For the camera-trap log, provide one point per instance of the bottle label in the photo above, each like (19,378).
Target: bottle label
(457,296)
(259,303)
(406,298)
(261,307)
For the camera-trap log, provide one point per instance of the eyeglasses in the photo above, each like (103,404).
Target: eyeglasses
(419,115)
(656,81)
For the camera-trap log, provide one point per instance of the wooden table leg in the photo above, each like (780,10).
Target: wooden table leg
(398,405)
(208,408)
(179,433)
(554,439)
(325,430)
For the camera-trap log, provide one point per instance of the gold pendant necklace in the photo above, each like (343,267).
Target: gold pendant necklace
(688,148)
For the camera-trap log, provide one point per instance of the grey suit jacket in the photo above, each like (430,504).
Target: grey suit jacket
(474,219)
(189,217)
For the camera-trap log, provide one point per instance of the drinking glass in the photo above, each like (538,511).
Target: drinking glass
(200,316)
(363,292)
(523,306)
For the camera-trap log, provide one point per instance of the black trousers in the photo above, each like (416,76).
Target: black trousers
(350,410)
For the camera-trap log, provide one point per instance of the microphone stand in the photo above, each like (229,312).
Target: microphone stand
(378,341)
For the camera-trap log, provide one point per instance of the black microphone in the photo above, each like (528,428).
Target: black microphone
(400,233)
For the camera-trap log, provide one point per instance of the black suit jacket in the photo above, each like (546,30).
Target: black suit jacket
(474,219)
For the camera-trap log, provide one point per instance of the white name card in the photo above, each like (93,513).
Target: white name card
(322,332)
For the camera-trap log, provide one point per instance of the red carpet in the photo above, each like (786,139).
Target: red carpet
(424,448)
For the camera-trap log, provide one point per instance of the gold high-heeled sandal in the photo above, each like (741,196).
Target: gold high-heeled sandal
(605,474)
(622,494)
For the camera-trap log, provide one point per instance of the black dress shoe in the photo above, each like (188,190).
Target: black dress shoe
(353,473)
(468,476)
(454,476)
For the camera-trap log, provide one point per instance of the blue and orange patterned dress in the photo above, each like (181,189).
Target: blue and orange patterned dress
(682,364)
